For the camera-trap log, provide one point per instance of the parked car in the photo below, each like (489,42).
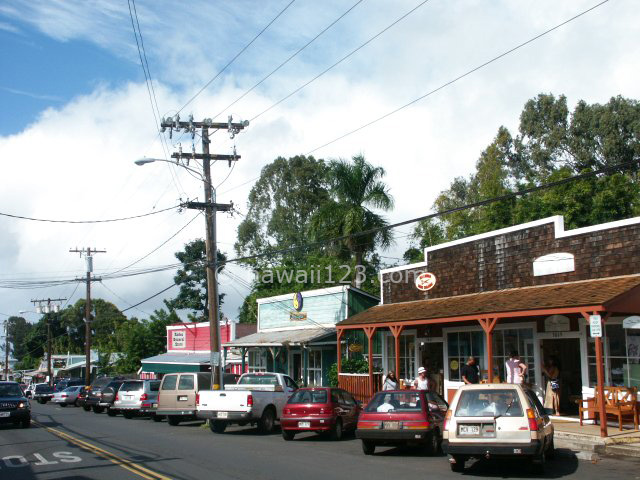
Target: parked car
(14,406)
(42,393)
(102,393)
(402,417)
(68,396)
(65,383)
(29,391)
(320,410)
(177,398)
(82,398)
(257,398)
(497,420)
(136,397)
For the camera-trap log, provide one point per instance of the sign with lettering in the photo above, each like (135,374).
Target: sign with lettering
(425,281)
(631,322)
(179,339)
(297,301)
(297,316)
(557,323)
(595,326)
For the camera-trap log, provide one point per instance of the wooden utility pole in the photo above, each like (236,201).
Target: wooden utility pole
(6,349)
(48,309)
(210,208)
(88,253)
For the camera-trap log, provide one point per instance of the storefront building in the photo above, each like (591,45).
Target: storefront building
(188,350)
(296,332)
(532,288)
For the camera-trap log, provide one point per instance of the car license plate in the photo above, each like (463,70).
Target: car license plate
(223,414)
(469,430)
(183,399)
(304,424)
(4,414)
(155,405)
(390,425)
(128,397)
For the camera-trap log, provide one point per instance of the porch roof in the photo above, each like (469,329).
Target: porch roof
(614,294)
(278,338)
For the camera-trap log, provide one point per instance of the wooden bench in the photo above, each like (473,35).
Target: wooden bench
(621,402)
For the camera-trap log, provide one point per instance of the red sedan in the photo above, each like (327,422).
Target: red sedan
(323,410)
(402,417)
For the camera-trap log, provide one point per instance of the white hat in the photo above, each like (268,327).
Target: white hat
(422,370)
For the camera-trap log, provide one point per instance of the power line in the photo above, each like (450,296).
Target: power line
(110,220)
(291,57)
(206,85)
(444,85)
(149,298)
(122,299)
(341,60)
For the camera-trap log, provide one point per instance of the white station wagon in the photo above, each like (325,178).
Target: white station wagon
(497,420)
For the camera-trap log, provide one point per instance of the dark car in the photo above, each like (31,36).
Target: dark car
(97,391)
(82,399)
(14,406)
(402,417)
(323,410)
(66,383)
(42,393)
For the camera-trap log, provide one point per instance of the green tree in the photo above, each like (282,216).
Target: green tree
(17,330)
(192,279)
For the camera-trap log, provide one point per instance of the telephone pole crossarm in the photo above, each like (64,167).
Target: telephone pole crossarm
(205,156)
(48,310)
(220,207)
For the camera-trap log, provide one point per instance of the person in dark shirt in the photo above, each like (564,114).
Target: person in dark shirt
(470,372)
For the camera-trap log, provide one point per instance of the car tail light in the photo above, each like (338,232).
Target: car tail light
(197,398)
(533,421)
(286,411)
(447,419)
(64,395)
(326,410)
(416,425)
(249,400)
(117,399)
(369,425)
(144,397)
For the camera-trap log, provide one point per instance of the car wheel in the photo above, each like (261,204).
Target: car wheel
(551,450)
(86,408)
(538,463)
(216,426)
(63,404)
(26,423)
(368,448)
(97,409)
(127,415)
(433,443)
(41,401)
(111,412)
(267,421)
(457,464)
(336,431)
(76,404)
(156,418)
(288,435)
(173,420)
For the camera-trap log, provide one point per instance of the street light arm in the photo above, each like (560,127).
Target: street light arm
(144,161)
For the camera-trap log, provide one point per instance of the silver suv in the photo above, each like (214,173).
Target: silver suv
(137,397)
(497,420)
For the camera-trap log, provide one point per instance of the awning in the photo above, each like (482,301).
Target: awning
(614,294)
(279,338)
(175,362)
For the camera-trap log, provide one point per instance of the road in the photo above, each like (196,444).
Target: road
(71,443)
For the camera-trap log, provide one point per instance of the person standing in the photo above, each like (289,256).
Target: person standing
(515,369)
(470,372)
(552,393)
(422,382)
(390,382)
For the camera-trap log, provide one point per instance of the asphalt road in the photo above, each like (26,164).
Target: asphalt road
(74,444)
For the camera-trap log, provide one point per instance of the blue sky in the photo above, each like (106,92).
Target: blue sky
(75,110)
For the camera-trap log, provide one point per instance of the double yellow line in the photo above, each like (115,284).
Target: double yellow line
(122,462)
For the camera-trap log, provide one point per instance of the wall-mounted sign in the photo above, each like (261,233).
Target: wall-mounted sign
(631,322)
(297,301)
(557,323)
(59,363)
(179,339)
(454,365)
(297,316)
(355,348)
(425,281)
(560,262)
(595,326)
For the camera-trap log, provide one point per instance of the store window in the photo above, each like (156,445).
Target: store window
(513,340)
(407,356)
(460,346)
(257,361)
(622,356)
(314,369)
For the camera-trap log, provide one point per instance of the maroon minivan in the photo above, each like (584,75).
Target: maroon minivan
(326,410)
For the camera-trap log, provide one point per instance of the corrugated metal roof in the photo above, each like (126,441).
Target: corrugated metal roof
(277,338)
(182,358)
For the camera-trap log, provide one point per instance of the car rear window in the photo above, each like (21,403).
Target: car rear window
(131,386)
(258,380)
(154,386)
(43,388)
(169,382)
(396,402)
(100,383)
(186,382)
(309,396)
(489,403)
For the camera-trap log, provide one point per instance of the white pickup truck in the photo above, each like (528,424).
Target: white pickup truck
(257,398)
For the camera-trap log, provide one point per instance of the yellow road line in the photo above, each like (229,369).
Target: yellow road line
(122,462)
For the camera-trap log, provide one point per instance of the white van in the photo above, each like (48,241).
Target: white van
(497,420)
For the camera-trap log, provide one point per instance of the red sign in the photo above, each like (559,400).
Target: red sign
(425,281)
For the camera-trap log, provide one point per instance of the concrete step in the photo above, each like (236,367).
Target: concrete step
(624,450)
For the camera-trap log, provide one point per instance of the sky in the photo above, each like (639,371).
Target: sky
(76,113)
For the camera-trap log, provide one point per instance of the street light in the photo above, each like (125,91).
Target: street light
(145,160)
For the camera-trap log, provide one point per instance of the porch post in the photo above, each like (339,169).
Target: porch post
(305,363)
(339,333)
(396,331)
(243,351)
(599,377)
(488,324)
(370,331)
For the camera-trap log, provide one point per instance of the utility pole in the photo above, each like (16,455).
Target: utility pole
(88,254)
(210,208)
(6,349)
(47,309)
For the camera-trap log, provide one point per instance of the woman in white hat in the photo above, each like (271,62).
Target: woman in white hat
(422,382)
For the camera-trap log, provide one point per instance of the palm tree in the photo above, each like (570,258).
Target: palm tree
(356,188)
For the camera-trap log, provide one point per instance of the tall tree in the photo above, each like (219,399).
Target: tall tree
(356,189)
(17,330)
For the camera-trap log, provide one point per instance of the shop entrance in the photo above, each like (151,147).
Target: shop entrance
(566,352)
(431,357)
(296,366)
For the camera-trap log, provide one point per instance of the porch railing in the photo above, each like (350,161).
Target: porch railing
(357,384)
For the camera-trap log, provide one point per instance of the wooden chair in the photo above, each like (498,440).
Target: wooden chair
(621,402)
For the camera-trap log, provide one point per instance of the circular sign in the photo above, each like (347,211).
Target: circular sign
(454,364)
(425,281)
(297,301)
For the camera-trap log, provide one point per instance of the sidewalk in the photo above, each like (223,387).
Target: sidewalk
(585,441)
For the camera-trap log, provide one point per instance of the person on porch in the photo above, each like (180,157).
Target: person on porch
(423,382)
(470,372)
(390,382)
(515,368)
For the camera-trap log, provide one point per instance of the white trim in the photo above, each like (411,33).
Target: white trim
(187,326)
(404,267)
(315,326)
(305,294)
